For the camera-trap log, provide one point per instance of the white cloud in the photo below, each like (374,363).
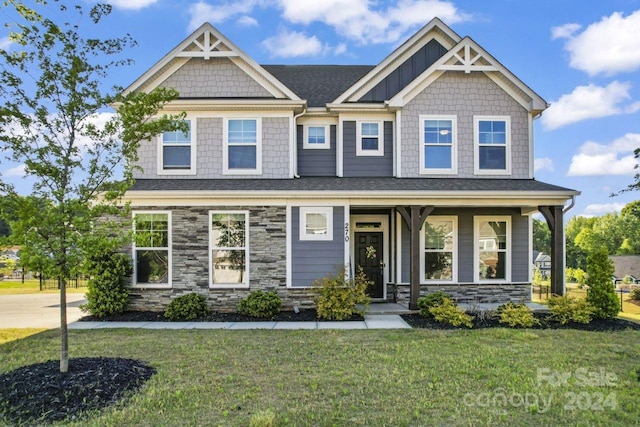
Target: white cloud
(5,43)
(247,21)
(292,44)
(131,4)
(616,158)
(564,31)
(589,102)
(543,163)
(601,209)
(607,47)
(340,49)
(17,171)
(202,11)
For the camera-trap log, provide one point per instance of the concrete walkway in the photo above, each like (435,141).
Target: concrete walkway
(38,310)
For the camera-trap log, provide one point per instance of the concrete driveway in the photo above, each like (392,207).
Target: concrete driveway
(38,310)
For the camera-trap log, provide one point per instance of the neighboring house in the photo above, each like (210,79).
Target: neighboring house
(11,252)
(626,265)
(543,264)
(424,162)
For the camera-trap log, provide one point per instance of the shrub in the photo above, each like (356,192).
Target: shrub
(107,292)
(635,294)
(449,312)
(516,315)
(260,304)
(338,298)
(431,300)
(187,307)
(569,309)
(602,294)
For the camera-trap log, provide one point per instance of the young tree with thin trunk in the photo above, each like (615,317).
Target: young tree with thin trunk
(54,121)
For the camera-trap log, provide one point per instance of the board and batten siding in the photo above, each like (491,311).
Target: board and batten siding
(365,166)
(316,162)
(311,260)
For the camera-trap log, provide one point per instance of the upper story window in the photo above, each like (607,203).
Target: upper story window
(493,248)
(316,223)
(316,137)
(492,135)
(438,138)
(177,152)
(369,139)
(152,249)
(242,146)
(440,248)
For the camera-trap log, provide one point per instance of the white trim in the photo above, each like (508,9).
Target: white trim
(225,147)
(476,145)
(361,152)
(193,145)
(454,145)
(168,285)
(384,229)
(327,211)
(530,233)
(246,248)
(399,222)
(454,251)
(532,166)
(477,219)
(289,248)
(293,147)
(340,147)
(306,145)
(397,145)
(346,236)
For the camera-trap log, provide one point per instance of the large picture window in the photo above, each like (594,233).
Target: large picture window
(493,246)
(440,247)
(438,137)
(369,139)
(152,249)
(242,146)
(493,144)
(229,248)
(177,151)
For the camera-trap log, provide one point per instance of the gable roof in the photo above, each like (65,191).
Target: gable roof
(626,265)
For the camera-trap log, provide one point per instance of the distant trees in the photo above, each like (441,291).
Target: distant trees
(541,236)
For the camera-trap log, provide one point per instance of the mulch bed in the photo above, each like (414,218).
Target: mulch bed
(39,394)
(155,316)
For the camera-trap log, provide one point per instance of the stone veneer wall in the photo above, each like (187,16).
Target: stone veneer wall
(190,260)
(472,293)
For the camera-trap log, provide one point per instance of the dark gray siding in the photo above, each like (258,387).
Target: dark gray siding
(317,162)
(366,166)
(520,263)
(311,260)
(405,73)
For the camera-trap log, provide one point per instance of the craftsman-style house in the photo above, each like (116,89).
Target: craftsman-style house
(419,169)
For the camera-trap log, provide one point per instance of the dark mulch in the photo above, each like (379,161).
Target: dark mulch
(546,322)
(155,316)
(40,394)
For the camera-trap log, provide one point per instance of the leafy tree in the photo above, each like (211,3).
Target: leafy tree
(51,93)
(632,209)
(601,294)
(541,236)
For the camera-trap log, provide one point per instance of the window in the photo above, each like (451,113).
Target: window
(228,247)
(177,151)
(316,137)
(493,144)
(493,245)
(242,146)
(369,141)
(316,223)
(151,249)
(438,138)
(440,247)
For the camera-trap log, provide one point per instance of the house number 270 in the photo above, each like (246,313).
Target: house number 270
(346,232)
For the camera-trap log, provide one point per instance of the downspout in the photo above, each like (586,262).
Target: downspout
(295,142)
(571,205)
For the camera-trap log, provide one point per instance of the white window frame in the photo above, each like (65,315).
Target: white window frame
(454,146)
(246,247)
(359,151)
(169,249)
(315,146)
(477,220)
(225,148)
(193,146)
(476,144)
(454,250)
(323,210)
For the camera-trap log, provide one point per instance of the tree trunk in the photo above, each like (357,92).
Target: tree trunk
(64,348)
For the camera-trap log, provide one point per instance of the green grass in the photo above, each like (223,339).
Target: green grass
(396,378)
(31,286)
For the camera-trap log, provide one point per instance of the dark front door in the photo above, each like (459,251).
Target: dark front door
(369,255)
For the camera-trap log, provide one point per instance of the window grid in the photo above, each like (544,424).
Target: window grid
(151,249)
(176,149)
(228,253)
(438,144)
(439,249)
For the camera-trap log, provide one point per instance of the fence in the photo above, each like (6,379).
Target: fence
(53,283)
(542,293)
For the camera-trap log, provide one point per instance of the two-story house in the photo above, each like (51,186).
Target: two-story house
(419,169)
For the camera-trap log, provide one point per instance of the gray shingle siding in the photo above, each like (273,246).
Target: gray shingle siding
(366,166)
(314,162)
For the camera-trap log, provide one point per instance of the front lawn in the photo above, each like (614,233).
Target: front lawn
(31,286)
(397,377)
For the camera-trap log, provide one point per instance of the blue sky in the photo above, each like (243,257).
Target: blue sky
(583,57)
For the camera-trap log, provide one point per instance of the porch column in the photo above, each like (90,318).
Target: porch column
(554,217)
(414,216)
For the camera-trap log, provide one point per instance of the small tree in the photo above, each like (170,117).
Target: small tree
(601,295)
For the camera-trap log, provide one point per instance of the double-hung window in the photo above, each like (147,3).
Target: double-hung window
(438,138)
(229,248)
(493,248)
(177,151)
(492,136)
(316,137)
(152,249)
(316,223)
(242,146)
(440,247)
(369,139)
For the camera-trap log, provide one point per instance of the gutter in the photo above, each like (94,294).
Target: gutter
(295,141)
(571,205)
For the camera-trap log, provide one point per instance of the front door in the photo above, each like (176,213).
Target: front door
(369,255)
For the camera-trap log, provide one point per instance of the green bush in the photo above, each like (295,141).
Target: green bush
(569,309)
(601,294)
(516,315)
(108,291)
(449,312)
(431,300)
(260,304)
(338,298)
(187,307)
(635,294)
